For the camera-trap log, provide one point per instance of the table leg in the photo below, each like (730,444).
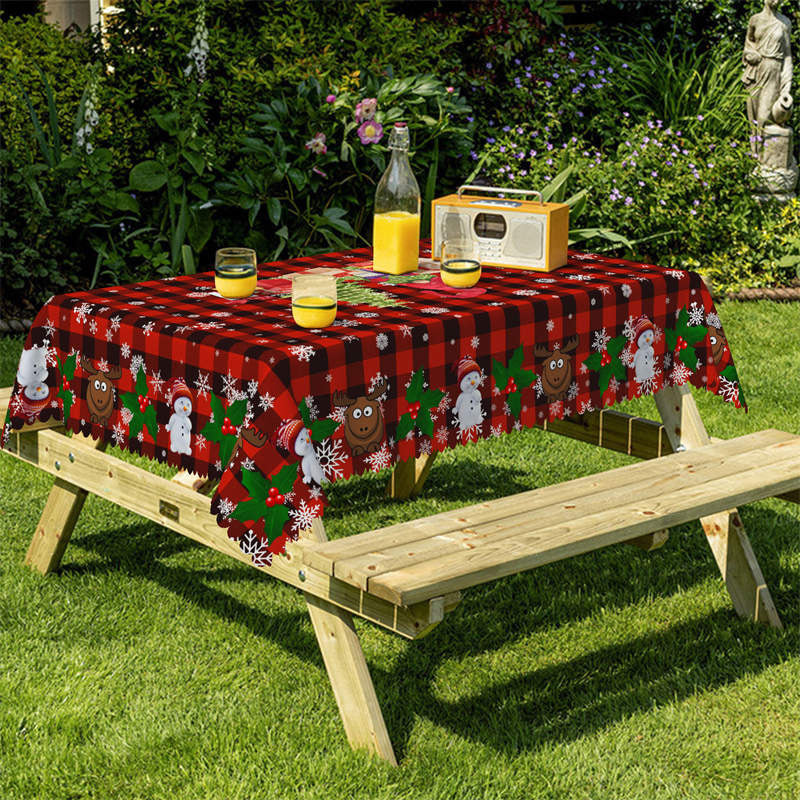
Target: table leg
(409,476)
(61,512)
(725,532)
(348,673)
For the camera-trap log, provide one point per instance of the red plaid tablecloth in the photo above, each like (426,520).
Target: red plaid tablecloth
(233,389)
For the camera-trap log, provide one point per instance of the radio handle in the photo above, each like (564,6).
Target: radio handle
(499,189)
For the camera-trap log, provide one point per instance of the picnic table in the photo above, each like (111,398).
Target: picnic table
(259,416)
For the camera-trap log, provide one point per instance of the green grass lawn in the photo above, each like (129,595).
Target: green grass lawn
(151,667)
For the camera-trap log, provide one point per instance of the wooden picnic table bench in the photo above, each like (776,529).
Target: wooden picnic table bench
(407,576)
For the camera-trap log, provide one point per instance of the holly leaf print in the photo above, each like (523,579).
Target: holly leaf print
(404,426)
(615,346)
(285,478)
(68,369)
(304,413)
(141,382)
(414,391)
(276,518)
(322,429)
(424,421)
(256,484)
(515,403)
(500,374)
(236,412)
(593,362)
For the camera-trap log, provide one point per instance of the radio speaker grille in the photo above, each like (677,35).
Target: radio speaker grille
(526,239)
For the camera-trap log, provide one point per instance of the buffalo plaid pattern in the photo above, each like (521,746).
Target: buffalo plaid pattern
(179,332)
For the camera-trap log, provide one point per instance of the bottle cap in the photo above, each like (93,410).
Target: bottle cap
(401,124)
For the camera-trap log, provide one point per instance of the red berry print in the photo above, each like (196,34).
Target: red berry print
(605,359)
(413,413)
(270,502)
(273,491)
(279,499)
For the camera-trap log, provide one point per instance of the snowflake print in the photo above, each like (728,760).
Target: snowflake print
(252,388)
(434,310)
(729,390)
(125,350)
(550,326)
(497,430)
(208,326)
(538,386)
(338,414)
(137,363)
(604,290)
(118,434)
(157,382)
(109,334)
(303,516)
(199,295)
(126,415)
(226,507)
(381,341)
(626,356)
(626,289)
(580,277)
(311,405)
(406,330)
(557,409)
(425,447)
(667,361)
(331,457)
(545,280)
(680,374)
(526,292)
(229,387)
(222,314)
(248,463)
(102,365)
(147,328)
(380,459)
(315,492)
(613,384)
(442,436)
(675,273)
(600,339)
(140,436)
(585,407)
(350,338)
(650,384)
(507,409)
(200,442)
(366,314)
(16,404)
(629,328)
(475,342)
(713,320)
(81,312)
(49,330)
(573,390)
(346,323)
(51,356)
(201,385)
(444,403)
(303,352)
(697,314)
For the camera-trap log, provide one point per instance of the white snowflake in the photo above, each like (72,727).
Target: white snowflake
(526,292)
(573,390)
(442,436)
(229,387)
(51,356)
(729,390)
(697,314)
(585,407)
(222,314)
(208,326)
(125,350)
(226,507)
(140,436)
(248,463)
(680,374)
(265,401)
(613,384)
(425,447)
(545,280)
(713,320)
(667,361)
(626,356)
(580,277)
(380,459)
(675,273)
(311,405)
(497,430)
(137,363)
(626,289)
(118,434)
(303,516)
(381,341)
(550,325)
(252,388)
(126,415)
(147,328)
(16,404)
(604,290)
(557,409)
(346,323)
(331,457)
(49,329)
(406,330)
(600,339)
(649,385)
(81,312)
(444,403)
(538,386)
(109,334)
(366,314)
(304,352)
(507,409)
(315,492)
(434,310)
(338,414)
(114,323)
(157,382)
(200,441)
(201,385)
(199,295)
(629,328)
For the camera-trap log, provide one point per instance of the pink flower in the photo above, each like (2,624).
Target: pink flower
(319,172)
(449,89)
(331,98)
(366,109)
(370,132)
(317,144)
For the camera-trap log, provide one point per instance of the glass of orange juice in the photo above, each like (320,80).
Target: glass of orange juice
(235,271)
(314,300)
(461,265)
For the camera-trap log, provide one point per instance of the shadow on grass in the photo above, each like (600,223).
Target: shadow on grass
(557,703)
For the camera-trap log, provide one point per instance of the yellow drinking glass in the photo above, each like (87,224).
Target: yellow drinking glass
(235,271)
(314,300)
(461,264)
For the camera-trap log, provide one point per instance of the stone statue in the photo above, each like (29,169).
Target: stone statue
(767,60)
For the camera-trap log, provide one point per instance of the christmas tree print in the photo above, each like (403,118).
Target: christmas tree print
(223,426)
(683,337)
(607,363)
(67,370)
(141,407)
(352,291)
(512,379)
(421,401)
(267,499)
(320,428)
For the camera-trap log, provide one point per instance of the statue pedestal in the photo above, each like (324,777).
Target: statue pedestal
(775,177)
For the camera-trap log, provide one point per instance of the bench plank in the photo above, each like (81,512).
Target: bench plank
(677,474)
(324,557)
(533,547)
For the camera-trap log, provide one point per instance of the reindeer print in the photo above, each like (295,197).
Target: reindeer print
(100,390)
(363,425)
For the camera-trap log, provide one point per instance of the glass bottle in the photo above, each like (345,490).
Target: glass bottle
(395,235)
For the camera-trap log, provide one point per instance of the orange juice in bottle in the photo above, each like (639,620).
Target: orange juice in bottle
(395,236)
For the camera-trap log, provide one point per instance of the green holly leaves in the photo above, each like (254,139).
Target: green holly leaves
(223,424)
(67,370)
(320,428)
(608,363)
(513,379)
(684,337)
(421,401)
(141,407)
(256,506)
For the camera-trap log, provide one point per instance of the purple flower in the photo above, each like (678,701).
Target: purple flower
(331,98)
(654,174)
(628,201)
(370,132)
(547,84)
(317,144)
(579,113)
(502,148)
(470,119)
(506,128)
(365,110)
(491,140)
(700,117)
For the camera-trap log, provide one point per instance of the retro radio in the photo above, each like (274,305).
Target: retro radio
(524,234)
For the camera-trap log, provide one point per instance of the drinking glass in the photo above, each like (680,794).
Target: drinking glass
(461,264)
(235,271)
(314,300)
